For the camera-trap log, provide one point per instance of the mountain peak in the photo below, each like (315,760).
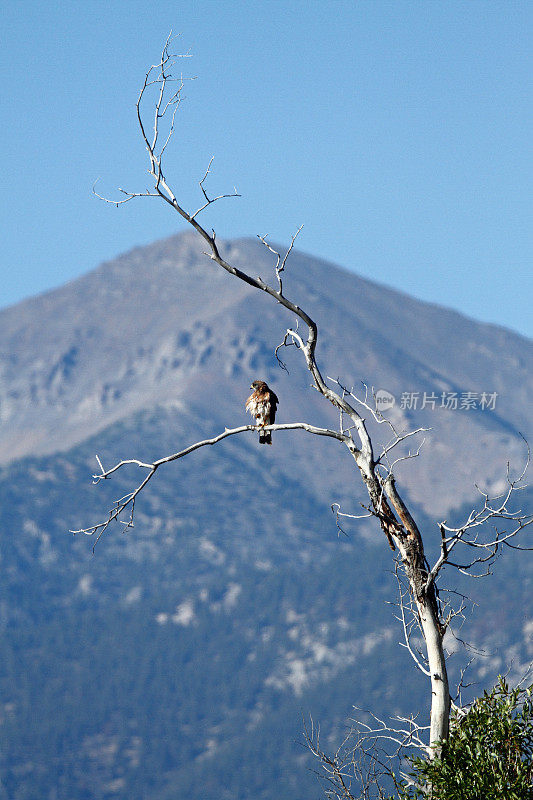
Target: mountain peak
(163,325)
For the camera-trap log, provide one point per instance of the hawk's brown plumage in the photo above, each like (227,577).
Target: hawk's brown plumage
(262,405)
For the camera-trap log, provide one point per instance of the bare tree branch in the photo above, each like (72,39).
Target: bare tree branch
(209,201)
(128,500)
(405,598)
(473,532)
(280,265)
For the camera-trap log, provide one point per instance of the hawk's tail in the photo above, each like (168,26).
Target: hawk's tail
(265,437)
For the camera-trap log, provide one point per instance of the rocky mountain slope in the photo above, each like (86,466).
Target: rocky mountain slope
(164,327)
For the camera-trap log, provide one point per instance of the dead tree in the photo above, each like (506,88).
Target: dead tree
(385,504)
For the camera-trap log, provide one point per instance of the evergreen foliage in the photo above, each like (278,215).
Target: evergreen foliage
(489,754)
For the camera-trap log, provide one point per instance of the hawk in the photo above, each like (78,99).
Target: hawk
(262,405)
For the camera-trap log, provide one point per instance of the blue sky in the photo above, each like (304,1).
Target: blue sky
(398,133)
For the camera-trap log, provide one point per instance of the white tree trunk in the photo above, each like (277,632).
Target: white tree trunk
(440,693)
(411,547)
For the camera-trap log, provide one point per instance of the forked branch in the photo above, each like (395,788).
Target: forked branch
(127,502)
(485,531)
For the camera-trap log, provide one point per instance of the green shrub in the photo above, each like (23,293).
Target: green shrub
(488,755)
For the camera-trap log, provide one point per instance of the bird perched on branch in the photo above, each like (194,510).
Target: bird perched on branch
(262,405)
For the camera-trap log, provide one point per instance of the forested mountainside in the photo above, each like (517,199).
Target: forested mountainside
(183,657)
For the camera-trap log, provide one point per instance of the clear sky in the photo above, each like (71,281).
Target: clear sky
(399,133)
